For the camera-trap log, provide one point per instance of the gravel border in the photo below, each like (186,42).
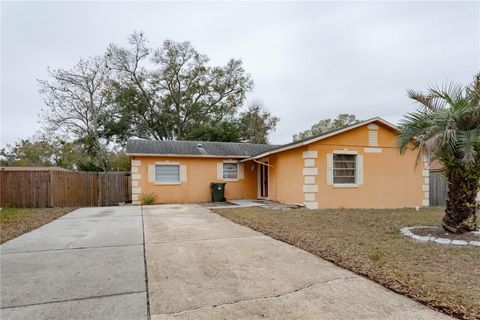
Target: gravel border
(407,232)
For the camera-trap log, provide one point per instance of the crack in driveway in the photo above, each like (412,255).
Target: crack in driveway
(73,299)
(204,239)
(261,298)
(74,248)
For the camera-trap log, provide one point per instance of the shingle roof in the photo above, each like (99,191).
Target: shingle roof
(435,166)
(195,148)
(229,149)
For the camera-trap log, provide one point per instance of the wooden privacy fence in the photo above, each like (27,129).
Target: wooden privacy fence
(64,188)
(114,188)
(438,189)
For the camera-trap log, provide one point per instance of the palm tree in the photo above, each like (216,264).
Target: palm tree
(446,127)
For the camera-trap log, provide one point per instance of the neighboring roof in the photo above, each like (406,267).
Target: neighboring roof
(322,136)
(195,148)
(33,169)
(435,166)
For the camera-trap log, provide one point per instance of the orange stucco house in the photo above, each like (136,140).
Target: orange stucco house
(358,166)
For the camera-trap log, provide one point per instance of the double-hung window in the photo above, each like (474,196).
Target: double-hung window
(344,169)
(230,171)
(167,173)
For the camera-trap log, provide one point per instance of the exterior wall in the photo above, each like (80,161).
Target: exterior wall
(286,176)
(200,172)
(389,179)
(386,178)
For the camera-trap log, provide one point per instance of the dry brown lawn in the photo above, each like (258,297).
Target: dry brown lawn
(16,221)
(369,243)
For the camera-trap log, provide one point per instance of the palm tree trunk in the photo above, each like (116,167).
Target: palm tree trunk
(461,208)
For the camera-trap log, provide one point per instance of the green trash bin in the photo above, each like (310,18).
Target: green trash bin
(218,191)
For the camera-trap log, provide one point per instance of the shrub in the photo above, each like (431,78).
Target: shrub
(395,231)
(149,198)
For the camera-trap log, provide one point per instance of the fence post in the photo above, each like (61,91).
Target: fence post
(49,192)
(99,189)
(1,188)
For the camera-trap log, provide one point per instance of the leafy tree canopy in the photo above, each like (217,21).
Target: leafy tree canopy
(256,123)
(58,153)
(326,125)
(172,92)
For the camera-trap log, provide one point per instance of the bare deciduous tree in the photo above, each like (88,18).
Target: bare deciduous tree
(76,103)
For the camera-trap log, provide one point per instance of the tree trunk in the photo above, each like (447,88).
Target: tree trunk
(461,207)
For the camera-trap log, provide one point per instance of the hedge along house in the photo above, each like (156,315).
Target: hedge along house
(358,166)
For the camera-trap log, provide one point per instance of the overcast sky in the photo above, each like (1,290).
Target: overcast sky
(309,61)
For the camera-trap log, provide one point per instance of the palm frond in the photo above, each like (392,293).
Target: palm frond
(468,144)
(420,97)
(449,92)
(413,128)
(446,125)
(473,91)
(427,101)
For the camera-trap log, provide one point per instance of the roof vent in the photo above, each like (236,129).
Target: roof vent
(201,149)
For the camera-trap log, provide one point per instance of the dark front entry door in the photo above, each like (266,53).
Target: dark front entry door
(263,180)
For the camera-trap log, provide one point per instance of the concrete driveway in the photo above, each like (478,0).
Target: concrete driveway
(202,266)
(89,264)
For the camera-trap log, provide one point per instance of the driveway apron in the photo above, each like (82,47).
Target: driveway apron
(202,266)
(89,264)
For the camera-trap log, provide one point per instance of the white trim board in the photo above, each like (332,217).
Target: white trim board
(372,150)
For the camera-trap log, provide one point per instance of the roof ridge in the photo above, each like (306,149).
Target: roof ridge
(202,141)
(190,147)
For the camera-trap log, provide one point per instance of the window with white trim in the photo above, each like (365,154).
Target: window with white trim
(230,170)
(344,168)
(167,173)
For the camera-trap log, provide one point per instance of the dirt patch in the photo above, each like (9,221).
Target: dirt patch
(16,221)
(369,243)
(441,233)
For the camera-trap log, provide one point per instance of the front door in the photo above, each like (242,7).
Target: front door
(263,180)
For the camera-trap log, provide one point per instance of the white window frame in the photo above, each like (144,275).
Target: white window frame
(345,185)
(223,171)
(168,164)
